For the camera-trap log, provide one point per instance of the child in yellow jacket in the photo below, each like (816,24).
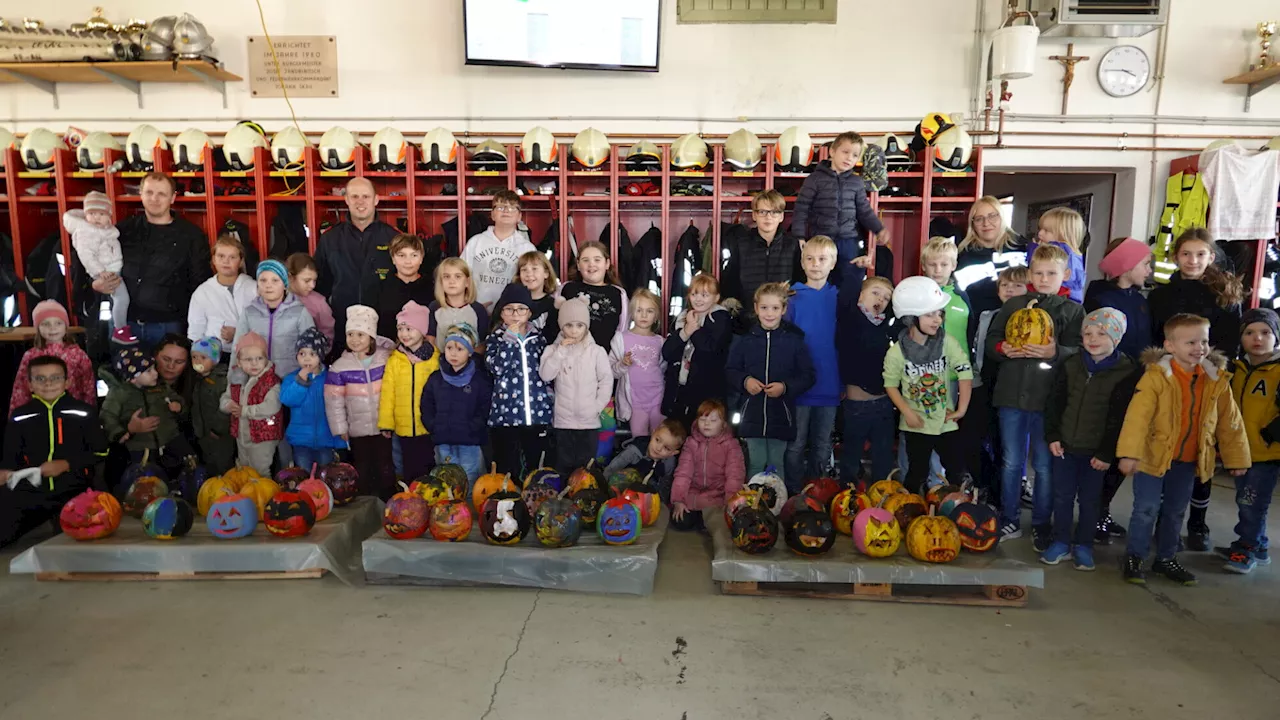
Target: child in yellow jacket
(402,381)
(1180,409)
(1254,384)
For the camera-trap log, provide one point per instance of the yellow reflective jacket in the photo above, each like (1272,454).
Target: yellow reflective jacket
(1186,205)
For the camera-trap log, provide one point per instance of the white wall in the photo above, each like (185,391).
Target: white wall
(882,64)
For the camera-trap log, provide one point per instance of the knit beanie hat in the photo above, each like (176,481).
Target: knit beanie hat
(210,347)
(362,318)
(1111,321)
(315,340)
(463,334)
(415,316)
(1124,258)
(275,267)
(517,294)
(1265,316)
(251,340)
(575,310)
(131,362)
(96,200)
(49,309)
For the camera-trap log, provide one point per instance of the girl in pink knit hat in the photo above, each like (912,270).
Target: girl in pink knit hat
(414,360)
(97,244)
(50,320)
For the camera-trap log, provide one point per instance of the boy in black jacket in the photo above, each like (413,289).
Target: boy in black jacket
(833,202)
(56,433)
(864,333)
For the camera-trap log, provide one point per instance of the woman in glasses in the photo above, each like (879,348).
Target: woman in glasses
(988,247)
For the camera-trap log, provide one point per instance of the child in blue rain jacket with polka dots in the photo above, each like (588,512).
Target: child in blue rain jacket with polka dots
(523,404)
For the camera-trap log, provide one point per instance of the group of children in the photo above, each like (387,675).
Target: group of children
(493,353)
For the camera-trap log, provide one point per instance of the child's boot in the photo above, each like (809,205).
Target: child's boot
(1133,572)
(1240,562)
(1173,570)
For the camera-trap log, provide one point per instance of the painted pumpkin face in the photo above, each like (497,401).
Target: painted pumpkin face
(232,516)
(167,518)
(843,508)
(584,477)
(213,488)
(876,532)
(137,471)
(290,513)
(486,486)
(450,521)
(951,500)
(444,478)
(937,492)
(623,479)
(933,539)
(619,522)
(260,490)
(142,492)
(91,515)
(771,488)
(321,496)
(343,480)
(646,498)
(589,501)
(878,490)
(188,483)
(536,493)
(978,526)
(505,519)
(905,507)
(810,533)
(746,497)
(406,516)
(1028,326)
(797,503)
(754,529)
(824,490)
(558,523)
(546,476)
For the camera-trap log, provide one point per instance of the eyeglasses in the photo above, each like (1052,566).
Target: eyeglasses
(514,310)
(505,208)
(768,213)
(991,219)
(47,379)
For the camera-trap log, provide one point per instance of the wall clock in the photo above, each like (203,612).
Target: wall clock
(1124,70)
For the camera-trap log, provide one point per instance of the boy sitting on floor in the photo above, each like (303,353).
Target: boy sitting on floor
(658,456)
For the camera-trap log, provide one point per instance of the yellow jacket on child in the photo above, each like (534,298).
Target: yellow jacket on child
(1254,388)
(399,408)
(1154,419)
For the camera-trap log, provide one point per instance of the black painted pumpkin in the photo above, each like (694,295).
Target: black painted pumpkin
(504,518)
(754,528)
(796,503)
(343,480)
(589,501)
(558,521)
(187,484)
(979,526)
(809,532)
(291,513)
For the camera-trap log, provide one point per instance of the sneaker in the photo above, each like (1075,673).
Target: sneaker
(1083,557)
(124,336)
(1101,536)
(1198,539)
(1010,531)
(1040,537)
(1056,553)
(1113,528)
(1262,556)
(1225,552)
(1240,562)
(1174,571)
(1133,570)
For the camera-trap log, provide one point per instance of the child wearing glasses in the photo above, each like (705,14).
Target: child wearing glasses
(494,254)
(768,253)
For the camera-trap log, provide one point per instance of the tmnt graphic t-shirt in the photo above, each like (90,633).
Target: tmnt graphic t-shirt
(606,305)
(924,385)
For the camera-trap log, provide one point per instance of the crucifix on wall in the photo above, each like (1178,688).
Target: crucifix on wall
(1069,71)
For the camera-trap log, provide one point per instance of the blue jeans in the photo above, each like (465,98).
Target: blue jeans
(813,428)
(867,420)
(468,456)
(305,457)
(149,334)
(397,456)
(766,452)
(1253,496)
(1075,481)
(1165,498)
(1020,430)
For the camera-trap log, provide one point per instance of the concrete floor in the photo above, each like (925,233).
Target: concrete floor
(1088,646)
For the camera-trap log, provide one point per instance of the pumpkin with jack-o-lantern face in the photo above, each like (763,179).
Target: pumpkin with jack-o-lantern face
(504,519)
(291,513)
(406,515)
(746,497)
(91,515)
(587,476)
(978,524)
(843,509)
(321,496)
(589,501)
(771,488)
(558,521)
(143,490)
(933,539)
(451,519)
(809,532)
(343,479)
(232,516)
(619,522)
(878,490)
(753,528)
(876,532)
(797,503)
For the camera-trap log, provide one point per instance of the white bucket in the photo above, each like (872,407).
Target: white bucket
(1013,52)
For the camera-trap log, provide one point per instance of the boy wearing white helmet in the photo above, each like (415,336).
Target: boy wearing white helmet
(915,378)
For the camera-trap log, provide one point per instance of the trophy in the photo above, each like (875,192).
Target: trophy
(1265,31)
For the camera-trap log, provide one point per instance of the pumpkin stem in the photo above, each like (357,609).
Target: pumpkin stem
(493,468)
(146,454)
(649,476)
(398,482)
(893,474)
(564,492)
(542,459)
(313,470)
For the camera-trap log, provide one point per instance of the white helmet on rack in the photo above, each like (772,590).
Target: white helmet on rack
(952,149)
(538,150)
(742,149)
(387,151)
(591,148)
(440,150)
(89,154)
(289,148)
(337,149)
(895,151)
(6,142)
(794,151)
(488,154)
(238,146)
(916,296)
(188,149)
(689,151)
(38,149)
(644,155)
(140,147)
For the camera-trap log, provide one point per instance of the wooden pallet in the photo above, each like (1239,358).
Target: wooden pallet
(150,577)
(989,595)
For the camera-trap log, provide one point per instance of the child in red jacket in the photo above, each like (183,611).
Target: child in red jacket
(711,468)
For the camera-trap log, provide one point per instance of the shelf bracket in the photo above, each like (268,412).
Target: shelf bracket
(1255,88)
(35,82)
(132,86)
(215,83)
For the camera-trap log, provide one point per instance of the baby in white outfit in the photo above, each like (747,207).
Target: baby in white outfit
(97,245)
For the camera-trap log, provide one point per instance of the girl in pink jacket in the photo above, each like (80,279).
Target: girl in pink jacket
(579,369)
(711,468)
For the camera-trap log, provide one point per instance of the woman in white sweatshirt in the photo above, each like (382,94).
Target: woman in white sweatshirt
(217,303)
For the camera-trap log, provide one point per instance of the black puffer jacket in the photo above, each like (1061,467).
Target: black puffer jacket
(1194,297)
(163,266)
(833,204)
(760,262)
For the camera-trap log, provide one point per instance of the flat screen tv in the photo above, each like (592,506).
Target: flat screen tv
(567,34)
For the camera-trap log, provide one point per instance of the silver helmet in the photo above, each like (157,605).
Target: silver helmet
(157,40)
(190,39)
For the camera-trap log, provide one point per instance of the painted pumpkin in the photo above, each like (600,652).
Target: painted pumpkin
(406,515)
(449,476)
(231,517)
(623,479)
(645,497)
(753,528)
(261,490)
(238,476)
(933,539)
(343,479)
(876,532)
(795,504)
(558,521)
(905,507)
(91,515)
(935,494)
(321,496)
(486,485)
(291,476)
(619,522)
(142,492)
(535,493)
(771,488)
(746,497)
(212,489)
(144,468)
(431,491)
(878,490)
(1028,326)
(824,489)
(546,476)
(589,501)
(167,518)
(588,476)
(450,519)
(188,483)
(978,525)
(844,506)
(504,519)
(951,500)
(290,513)
(810,532)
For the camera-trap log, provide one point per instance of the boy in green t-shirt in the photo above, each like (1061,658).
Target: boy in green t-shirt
(916,369)
(938,263)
